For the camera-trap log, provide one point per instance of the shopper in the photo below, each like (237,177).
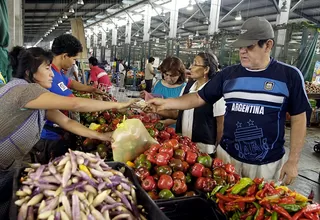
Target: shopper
(204,125)
(25,105)
(54,140)
(122,74)
(149,74)
(73,72)
(97,75)
(258,93)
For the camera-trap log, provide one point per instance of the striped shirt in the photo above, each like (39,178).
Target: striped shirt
(256,106)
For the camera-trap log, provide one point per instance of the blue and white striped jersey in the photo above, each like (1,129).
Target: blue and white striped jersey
(256,106)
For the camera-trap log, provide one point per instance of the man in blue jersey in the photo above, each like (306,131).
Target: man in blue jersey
(258,93)
(66,49)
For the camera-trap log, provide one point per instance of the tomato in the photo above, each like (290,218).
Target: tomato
(170,130)
(145,119)
(153,195)
(230,168)
(162,159)
(154,148)
(207,173)
(152,158)
(197,170)
(165,182)
(185,148)
(217,163)
(179,175)
(172,143)
(185,166)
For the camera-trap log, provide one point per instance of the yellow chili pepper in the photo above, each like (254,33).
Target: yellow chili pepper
(130,164)
(85,169)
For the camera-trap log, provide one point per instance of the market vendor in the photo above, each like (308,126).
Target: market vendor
(25,105)
(98,75)
(258,93)
(54,140)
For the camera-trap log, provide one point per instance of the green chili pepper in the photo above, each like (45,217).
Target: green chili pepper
(236,216)
(215,190)
(243,183)
(261,185)
(249,218)
(188,178)
(224,189)
(291,207)
(258,208)
(274,216)
(243,192)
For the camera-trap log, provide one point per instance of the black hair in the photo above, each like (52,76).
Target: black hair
(25,62)
(68,44)
(262,42)
(151,59)
(93,61)
(210,60)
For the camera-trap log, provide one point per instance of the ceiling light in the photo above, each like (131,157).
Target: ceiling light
(190,6)
(206,21)
(71,10)
(238,17)
(60,21)
(197,33)
(165,37)
(164,28)
(162,13)
(56,24)
(179,36)
(182,26)
(80,2)
(284,6)
(137,34)
(135,43)
(65,16)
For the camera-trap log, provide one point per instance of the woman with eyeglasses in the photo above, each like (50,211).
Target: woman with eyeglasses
(204,125)
(171,85)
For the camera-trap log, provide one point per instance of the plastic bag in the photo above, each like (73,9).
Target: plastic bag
(130,140)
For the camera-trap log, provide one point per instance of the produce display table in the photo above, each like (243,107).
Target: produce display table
(313,96)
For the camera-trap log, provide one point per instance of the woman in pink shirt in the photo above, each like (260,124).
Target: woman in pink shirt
(98,76)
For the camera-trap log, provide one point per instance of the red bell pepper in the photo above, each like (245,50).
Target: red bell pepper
(165,182)
(142,173)
(197,169)
(281,211)
(179,154)
(162,159)
(185,148)
(170,130)
(191,157)
(164,135)
(199,183)
(230,168)
(209,184)
(179,175)
(153,195)
(152,158)
(148,183)
(185,166)
(217,163)
(179,187)
(166,149)
(207,173)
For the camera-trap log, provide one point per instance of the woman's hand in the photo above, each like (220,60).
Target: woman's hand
(105,136)
(124,105)
(143,94)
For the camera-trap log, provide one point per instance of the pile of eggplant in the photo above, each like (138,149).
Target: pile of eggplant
(76,186)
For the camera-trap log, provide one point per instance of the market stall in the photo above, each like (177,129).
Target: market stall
(163,176)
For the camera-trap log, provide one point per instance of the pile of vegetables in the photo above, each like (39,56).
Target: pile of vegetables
(77,185)
(176,168)
(312,88)
(259,200)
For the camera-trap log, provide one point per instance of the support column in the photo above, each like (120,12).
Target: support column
(103,45)
(127,44)
(214,17)
(174,15)
(280,40)
(15,23)
(147,23)
(114,43)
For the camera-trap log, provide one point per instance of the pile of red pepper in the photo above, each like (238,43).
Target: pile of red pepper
(259,200)
(176,166)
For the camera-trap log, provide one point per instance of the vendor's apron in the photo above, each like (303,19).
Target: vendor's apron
(13,148)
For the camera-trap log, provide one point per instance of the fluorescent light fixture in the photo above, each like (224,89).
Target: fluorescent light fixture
(206,21)
(238,17)
(179,36)
(135,43)
(80,2)
(60,21)
(65,16)
(197,33)
(190,6)
(137,34)
(71,10)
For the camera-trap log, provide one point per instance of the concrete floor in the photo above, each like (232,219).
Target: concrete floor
(309,165)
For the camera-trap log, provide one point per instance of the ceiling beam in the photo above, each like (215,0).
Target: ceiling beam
(308,17)
(234,8)
(275,4)
(296,5)
(85,2)
(60,10)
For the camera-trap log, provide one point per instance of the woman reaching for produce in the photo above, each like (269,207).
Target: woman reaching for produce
(25,105)
(172,83)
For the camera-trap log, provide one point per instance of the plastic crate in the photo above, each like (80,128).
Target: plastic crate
(152,210)
(190,208)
